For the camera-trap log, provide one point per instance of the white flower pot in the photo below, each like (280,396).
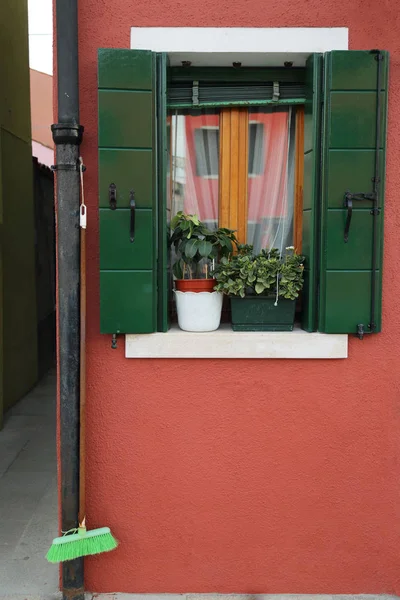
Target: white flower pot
(198,311)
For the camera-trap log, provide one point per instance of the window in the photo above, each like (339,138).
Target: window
(337,171)
(237,168)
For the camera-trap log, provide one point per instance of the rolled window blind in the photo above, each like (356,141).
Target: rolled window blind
(191,88)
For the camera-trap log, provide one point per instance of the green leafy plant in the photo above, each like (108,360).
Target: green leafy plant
(196,246)
(267,273)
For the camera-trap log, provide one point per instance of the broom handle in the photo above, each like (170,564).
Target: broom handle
(82,404)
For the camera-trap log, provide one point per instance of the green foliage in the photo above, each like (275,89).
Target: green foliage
(244,273)
(195,244)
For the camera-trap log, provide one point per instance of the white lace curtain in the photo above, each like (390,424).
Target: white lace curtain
(194,172)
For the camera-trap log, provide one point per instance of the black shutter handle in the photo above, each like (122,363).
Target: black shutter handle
(132,206)
(348,202)
(112,196)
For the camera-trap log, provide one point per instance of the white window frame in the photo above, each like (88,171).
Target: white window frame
(259,124)
(212,128)
(251,46)
(206,46)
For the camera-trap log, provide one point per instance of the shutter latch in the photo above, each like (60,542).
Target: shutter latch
(275,92)
(195,92)
(132,207)
(112,196)
(348,203)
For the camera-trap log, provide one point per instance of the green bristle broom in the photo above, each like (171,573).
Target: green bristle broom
(80,542)
(83,543)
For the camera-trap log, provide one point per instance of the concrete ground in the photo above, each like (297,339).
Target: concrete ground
(28,495)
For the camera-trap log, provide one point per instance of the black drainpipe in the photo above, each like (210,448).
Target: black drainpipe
(67,136)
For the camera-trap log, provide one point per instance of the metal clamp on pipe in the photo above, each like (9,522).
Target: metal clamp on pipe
(67,133)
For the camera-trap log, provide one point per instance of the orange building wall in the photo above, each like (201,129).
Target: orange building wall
(244,475)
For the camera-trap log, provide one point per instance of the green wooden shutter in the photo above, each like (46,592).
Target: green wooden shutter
(311,189)
(349,162)
(128,159)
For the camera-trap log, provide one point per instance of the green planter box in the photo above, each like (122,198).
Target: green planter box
(259,313)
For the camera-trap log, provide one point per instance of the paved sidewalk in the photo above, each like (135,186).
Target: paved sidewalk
(28,495)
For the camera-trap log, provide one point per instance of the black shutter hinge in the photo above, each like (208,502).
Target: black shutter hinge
(361,330)
(378,54)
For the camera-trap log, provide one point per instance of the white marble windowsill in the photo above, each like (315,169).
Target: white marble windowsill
(225,343)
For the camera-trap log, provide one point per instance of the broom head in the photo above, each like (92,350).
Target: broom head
(80,544)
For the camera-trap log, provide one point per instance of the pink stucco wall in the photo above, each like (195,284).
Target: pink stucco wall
(242,475)
(41,95)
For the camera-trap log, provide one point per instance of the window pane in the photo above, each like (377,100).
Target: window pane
(256,148)
(206,145)
(271,178)
(194,164)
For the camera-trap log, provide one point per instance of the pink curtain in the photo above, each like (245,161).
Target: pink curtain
(195,165)
(270,184)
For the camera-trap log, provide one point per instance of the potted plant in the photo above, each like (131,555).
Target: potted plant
(263,288)
(196,250)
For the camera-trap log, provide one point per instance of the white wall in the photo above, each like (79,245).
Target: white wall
(40,21)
